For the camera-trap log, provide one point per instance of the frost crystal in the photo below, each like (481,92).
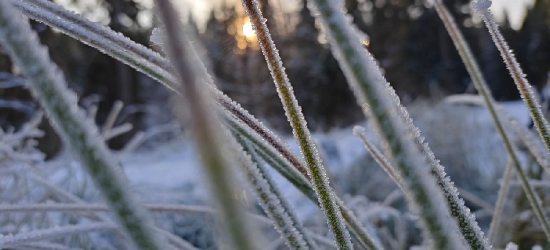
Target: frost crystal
(482,5)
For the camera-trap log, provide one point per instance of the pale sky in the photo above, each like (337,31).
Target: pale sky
(514,8)
(201,8)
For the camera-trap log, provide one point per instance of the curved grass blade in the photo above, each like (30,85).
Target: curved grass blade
(49,87)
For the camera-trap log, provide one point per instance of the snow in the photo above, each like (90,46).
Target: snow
(174,168)
(166,169)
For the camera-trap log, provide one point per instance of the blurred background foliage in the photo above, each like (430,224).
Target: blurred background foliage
(407,38)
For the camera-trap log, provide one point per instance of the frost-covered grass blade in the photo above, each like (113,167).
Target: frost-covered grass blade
(524,87)
(208,131)
(272,201)
(301,133)
(370,88)
(47,84)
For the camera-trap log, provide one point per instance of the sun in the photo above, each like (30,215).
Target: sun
(248,30)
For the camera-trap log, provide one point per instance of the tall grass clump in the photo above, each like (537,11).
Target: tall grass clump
(48,86)
(230,140)
(127,51)
(483,90)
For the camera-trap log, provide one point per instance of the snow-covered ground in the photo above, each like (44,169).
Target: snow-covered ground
(172,172)
(461,135)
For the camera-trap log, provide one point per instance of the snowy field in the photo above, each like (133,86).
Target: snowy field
(169,173)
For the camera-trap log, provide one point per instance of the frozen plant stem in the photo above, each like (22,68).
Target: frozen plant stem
(525,89)
(378,156)
(271,200)
(53,233)
(283,165)
(48,86)
(483,89)
(207,129)
(500,204)
(370,88)
(294,114)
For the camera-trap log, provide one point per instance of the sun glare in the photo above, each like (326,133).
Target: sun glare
(248,30)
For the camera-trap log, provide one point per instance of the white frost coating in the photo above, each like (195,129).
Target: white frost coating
(248,120)
(105,45)
(482,5)
(227,107)
(104,31)
(114,44)
(512,246)
(48,86)
(8,241)
(271,200)
(101,43)
(301,133)
(285,168)
(371,88)
(533,144)
(157,37)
